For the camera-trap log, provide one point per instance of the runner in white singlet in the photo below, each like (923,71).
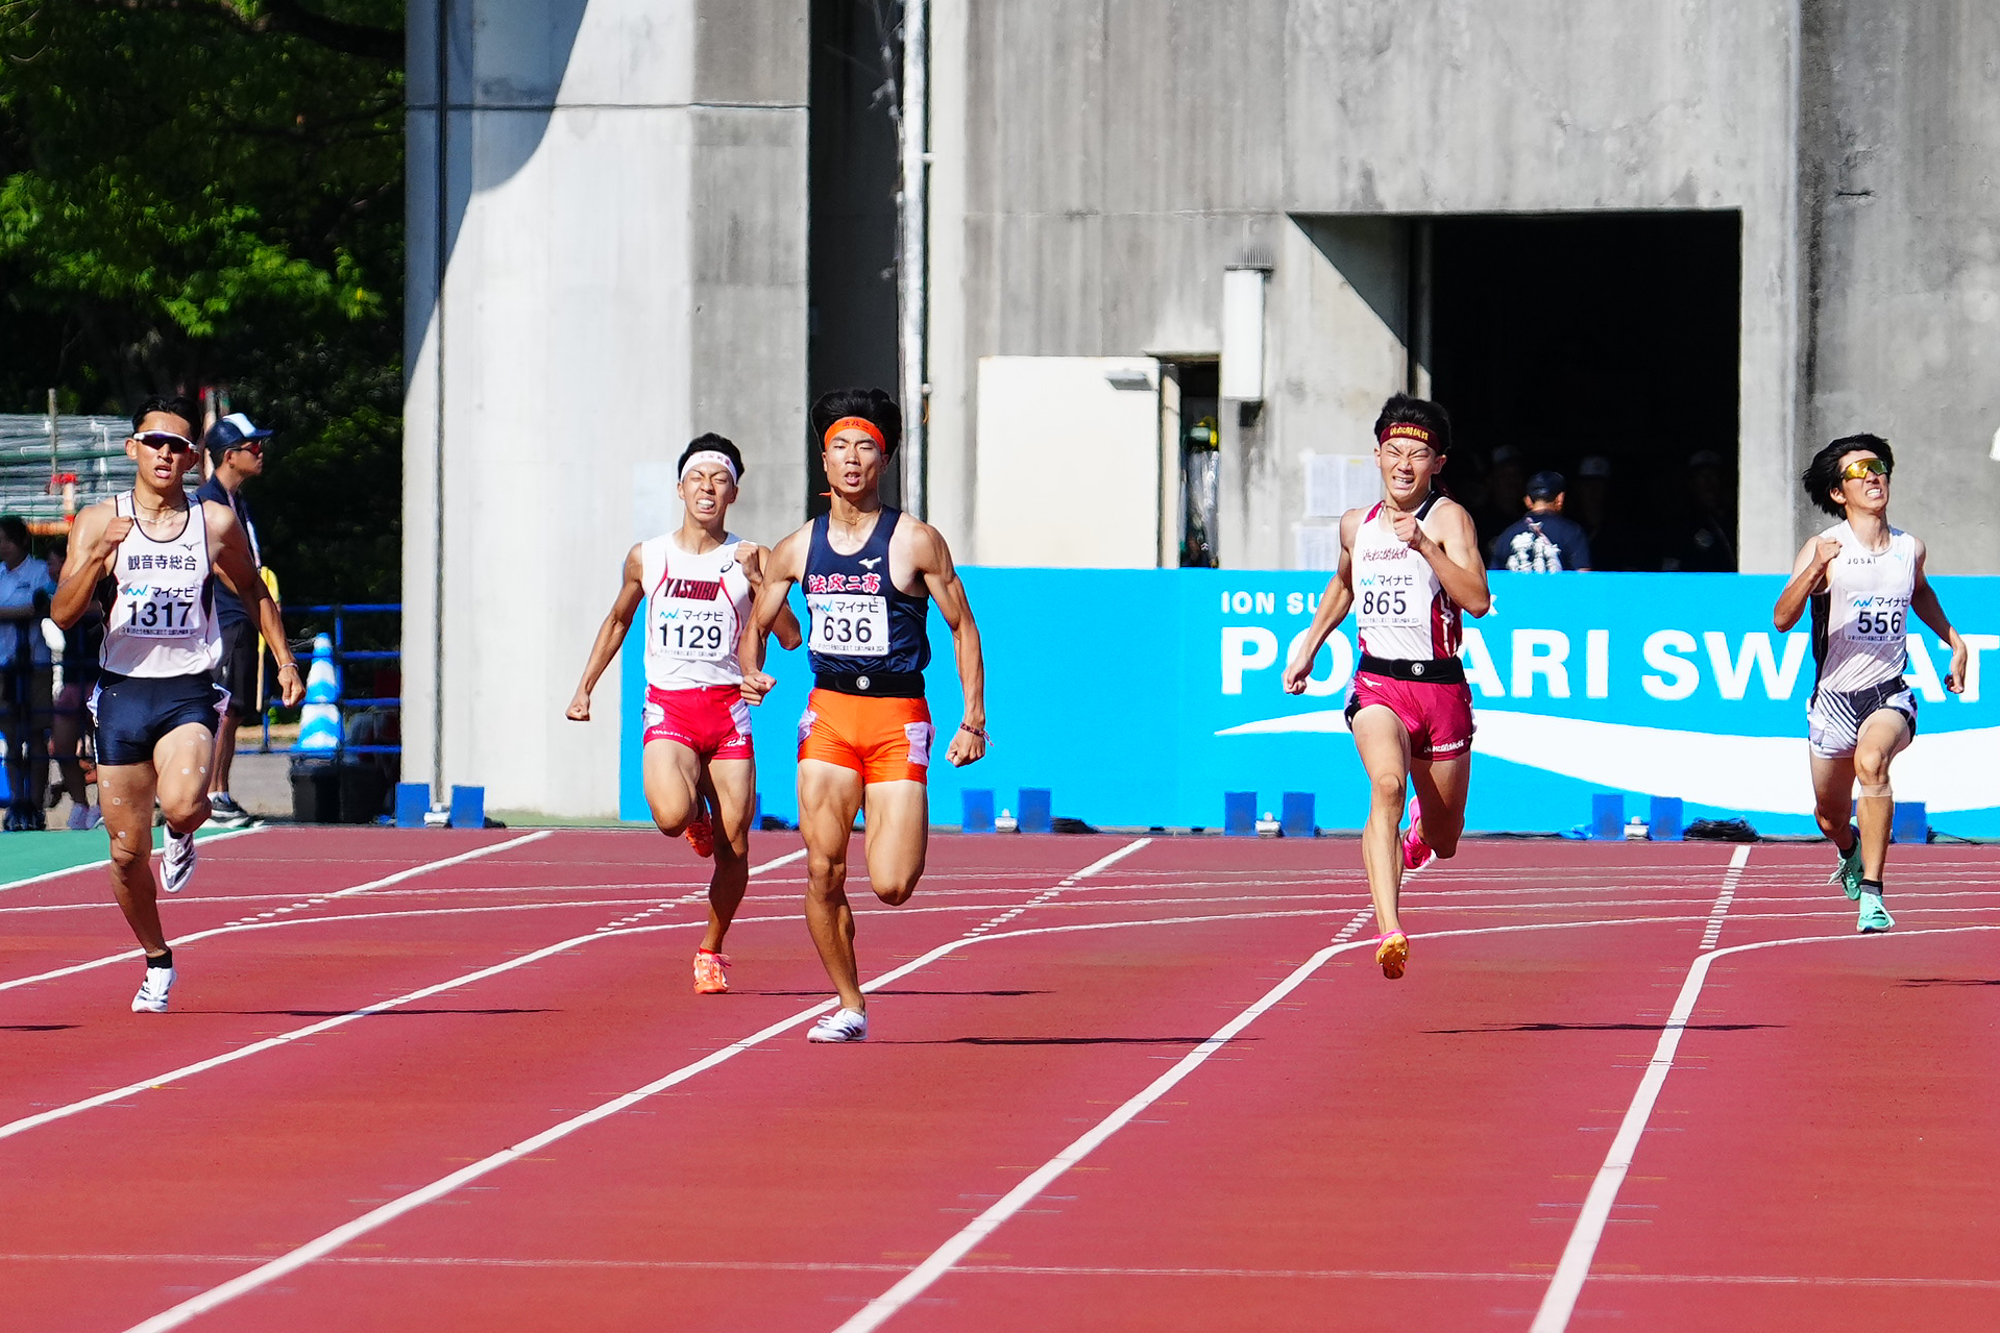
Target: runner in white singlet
(1863,580)
(697,583)
(156,702)
(1407,567)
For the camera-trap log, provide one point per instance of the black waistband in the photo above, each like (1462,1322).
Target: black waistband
(1440,671)
(878,684)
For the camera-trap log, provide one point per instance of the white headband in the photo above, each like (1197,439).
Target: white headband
(710,456)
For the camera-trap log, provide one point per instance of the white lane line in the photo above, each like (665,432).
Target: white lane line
(48,875)
(370,1221)
(367,1222)
(1559,1302)
(21,1126)
(314,901)
(1713,931)
(1095,867)
(946,1256)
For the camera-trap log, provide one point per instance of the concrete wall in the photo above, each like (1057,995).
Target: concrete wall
(624,267)
(1903,242)
(1110,159)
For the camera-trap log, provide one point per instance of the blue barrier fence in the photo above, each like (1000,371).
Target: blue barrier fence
(342,655)
(1141,697)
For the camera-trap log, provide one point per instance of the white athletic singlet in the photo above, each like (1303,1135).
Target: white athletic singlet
(163,623)
(695,608)
(1401,611)
(1858,624)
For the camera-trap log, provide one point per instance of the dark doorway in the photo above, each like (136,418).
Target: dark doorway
(1604,347)
(851,238)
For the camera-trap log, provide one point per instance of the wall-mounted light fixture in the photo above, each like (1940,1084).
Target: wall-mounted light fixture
(1243,331)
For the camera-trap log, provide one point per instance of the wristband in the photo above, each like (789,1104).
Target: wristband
(977,731)
(292,665)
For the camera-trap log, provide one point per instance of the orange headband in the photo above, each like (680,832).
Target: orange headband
(873,431)
(1407,430)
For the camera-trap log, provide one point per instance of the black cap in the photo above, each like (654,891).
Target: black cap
(1546,485)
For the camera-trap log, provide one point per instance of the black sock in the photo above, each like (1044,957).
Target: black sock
(1853,841)
(1873,886)
(163,960)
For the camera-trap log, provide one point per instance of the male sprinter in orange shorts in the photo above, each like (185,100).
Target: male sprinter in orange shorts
(865,739)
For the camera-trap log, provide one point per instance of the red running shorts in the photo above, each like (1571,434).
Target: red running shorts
(1437,716)
(711,720)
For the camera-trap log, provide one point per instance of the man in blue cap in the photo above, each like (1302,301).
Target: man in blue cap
(236,448)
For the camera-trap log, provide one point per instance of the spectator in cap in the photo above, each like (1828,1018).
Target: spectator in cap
(236,448)
(1706,540)
(1541,541)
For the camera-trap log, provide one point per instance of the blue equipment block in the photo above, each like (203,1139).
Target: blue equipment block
(1607,814)
(1296,815)
(1239,814)
(1909,823)
(1036,815)
(1665,818)
(468,807)
(978,816)
(413,802)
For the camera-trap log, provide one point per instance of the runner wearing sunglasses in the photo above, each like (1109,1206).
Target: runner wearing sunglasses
(156,702)
(1862,579)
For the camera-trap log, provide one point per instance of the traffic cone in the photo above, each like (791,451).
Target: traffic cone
(319,720)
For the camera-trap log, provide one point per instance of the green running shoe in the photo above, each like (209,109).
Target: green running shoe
(1875,917)
(1848,873)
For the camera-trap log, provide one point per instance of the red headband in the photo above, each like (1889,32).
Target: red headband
(873,431)
(1407,430)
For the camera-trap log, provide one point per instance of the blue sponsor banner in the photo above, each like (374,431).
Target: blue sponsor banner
(1140,696)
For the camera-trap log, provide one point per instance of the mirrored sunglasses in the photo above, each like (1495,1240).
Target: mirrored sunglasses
(165,439)
(1864,467)
(252,447)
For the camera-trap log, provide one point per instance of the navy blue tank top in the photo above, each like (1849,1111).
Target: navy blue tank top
(867,635)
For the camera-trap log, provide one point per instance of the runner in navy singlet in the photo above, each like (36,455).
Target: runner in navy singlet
(1409,565)
(865,740)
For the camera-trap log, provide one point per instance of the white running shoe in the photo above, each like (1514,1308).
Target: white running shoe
(840,1025)
(153,991)
(177,864)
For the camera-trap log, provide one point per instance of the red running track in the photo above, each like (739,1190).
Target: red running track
(1817,1152)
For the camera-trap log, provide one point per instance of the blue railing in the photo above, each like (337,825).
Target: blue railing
(343,655)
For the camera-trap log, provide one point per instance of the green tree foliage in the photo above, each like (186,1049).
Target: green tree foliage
(211,191)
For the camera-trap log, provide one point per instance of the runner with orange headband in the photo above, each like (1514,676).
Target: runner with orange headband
(697,583)
(865,739)
(1412,562)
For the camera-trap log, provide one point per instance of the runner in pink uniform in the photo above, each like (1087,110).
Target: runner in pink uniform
(697,583)
(1408,566)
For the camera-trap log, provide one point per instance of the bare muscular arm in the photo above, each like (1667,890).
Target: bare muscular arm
(931,558)
(778,571)
(1333,607)
(229,554)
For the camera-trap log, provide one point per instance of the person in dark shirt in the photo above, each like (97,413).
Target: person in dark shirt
(237,449)
(1706,540)
(1541,541)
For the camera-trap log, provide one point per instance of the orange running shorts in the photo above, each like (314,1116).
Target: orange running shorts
(884,740)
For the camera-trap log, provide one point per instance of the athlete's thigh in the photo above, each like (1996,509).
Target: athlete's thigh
(125,795)
(733,783)
(829,796)
(1381,741)
(180,761)
(1884,734)
(670,773)
(1441,784)
(1833,781)
(899,830)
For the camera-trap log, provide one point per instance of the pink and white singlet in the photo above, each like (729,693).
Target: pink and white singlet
(1401,611)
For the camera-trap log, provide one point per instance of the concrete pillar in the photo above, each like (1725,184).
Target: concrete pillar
(622,266)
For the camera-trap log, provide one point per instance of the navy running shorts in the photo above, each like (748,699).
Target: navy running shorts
(134,712)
